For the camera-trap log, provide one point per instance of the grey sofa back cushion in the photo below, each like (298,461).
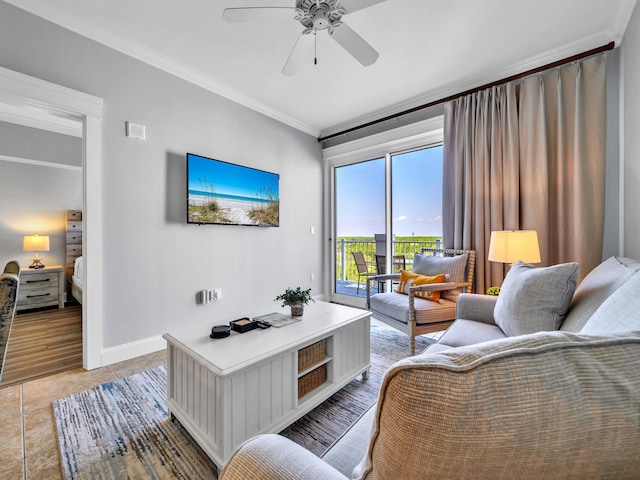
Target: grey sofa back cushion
(620,312)
(546,405)
(534,299)
(435,265)
(595,288)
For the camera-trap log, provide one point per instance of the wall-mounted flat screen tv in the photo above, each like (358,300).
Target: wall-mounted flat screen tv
(225,193)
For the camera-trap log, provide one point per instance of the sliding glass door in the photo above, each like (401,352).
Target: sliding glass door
(416,202)
(384,211)
(359,217)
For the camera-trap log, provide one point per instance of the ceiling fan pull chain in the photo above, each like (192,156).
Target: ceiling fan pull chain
(315,53)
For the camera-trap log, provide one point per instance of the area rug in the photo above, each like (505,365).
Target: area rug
(121,429)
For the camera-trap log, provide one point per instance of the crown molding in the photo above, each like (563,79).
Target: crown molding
(157,60)
(622,19)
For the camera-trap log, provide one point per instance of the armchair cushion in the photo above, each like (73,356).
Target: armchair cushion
(534,299)
(434,265)
(396,306)
(410,279)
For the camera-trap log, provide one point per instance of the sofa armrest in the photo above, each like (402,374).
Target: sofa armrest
(472,306)
(273,457)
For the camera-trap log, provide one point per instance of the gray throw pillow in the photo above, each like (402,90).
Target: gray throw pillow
(434,265)
(619,313)
(534,299)
(595,288)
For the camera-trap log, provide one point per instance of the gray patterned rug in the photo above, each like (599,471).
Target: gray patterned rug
(121,429)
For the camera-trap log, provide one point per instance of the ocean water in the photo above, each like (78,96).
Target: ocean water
(226,196)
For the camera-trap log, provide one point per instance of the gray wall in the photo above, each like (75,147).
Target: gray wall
(631,146)
(37,144)
(154,263)
(33,197)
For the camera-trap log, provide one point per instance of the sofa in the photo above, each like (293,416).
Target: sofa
(540,382)
(9,282)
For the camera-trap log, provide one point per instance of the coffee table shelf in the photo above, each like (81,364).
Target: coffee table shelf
(313,367)
(226,391)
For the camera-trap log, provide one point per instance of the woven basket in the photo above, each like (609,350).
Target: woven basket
(312,380)
(309,356)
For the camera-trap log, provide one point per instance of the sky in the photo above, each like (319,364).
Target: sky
(416,199)
(228,178)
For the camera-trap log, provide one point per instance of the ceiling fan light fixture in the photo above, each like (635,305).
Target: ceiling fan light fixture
(313,15)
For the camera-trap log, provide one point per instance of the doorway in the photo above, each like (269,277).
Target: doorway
(36,95)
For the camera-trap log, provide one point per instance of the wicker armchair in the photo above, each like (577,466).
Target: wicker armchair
(416,316)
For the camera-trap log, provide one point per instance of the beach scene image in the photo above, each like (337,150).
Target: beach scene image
(221,192)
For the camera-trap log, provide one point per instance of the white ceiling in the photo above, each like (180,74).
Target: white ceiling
(429,49)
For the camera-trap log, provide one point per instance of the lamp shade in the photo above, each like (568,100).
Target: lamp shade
(36,243)
(509,246)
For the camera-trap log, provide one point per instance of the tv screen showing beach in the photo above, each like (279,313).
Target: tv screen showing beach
(224,193)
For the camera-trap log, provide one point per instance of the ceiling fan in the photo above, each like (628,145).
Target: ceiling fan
(314,15)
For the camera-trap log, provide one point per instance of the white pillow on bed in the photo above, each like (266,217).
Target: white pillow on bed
(78,267)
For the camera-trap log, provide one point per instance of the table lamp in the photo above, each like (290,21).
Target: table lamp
(36,243)
(509,246)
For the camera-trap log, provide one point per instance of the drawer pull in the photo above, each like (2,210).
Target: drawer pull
(41,295)
(38,281)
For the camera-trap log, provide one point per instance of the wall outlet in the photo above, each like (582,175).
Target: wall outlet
(312,277)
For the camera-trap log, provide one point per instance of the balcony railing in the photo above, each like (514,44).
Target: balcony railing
(346,267)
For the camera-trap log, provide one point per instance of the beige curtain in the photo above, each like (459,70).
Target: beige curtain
(529,155)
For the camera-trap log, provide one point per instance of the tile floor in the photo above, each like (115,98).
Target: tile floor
(28,434)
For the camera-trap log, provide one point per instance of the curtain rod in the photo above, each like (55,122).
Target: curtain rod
(579,56)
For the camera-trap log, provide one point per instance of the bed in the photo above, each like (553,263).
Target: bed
(76,279)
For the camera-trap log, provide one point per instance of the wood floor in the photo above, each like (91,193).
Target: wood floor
(42,343)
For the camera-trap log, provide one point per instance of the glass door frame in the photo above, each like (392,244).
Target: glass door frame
(424,134)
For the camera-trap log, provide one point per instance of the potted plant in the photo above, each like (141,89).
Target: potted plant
(296,299)
(495,291)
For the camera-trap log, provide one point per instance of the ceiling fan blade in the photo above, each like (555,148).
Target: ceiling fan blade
(355,5)
(355,45)
(301,51)
(258,14)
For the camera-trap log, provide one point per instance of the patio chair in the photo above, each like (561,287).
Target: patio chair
(408,309)
(363,268)
(399,264)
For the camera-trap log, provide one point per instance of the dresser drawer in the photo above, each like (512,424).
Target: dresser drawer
(74,227)
(74,250)
(74,238)
(35,298)
(33,283)
(74,215)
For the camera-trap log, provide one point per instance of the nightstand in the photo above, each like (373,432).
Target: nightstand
(42,287)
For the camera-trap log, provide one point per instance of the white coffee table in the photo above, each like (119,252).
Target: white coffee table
(228,390)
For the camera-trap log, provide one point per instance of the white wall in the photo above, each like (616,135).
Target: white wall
(154,263)
(631,143)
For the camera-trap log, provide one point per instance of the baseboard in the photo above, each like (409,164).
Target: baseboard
(131,350)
